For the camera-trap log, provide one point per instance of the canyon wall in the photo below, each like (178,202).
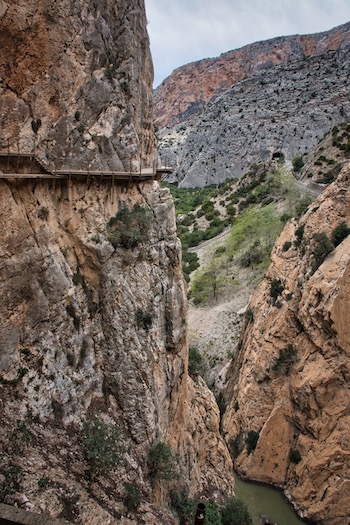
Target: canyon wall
(288,387)
(74,83)
(93,305)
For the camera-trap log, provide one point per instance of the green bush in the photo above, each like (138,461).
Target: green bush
(183,506)
(162,463)
(212,514)
(144,319)
(286,246)
(294,456)
(299,233)
(339,233)
(235,512)
(285,359)
(133,497)
(128,228)
(101,445)
(253,256)
(276,288)
(13,477)
(251,441)
(302,205)
(322,247)
(298,163)
(195,362)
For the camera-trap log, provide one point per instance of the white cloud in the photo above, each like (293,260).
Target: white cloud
(182,31)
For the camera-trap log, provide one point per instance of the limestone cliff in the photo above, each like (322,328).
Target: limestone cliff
(191,87)
(284,110)
(87,328)
(289,385)
(74,82)
(93,302)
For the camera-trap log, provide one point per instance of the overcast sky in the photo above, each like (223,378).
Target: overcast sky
(182,31)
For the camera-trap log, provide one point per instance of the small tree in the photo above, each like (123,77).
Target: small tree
(235,512)
(101,444)
(339,233)
(162,462)
(276,289)
(294,456)
(322,247)
(133,497)
(298,163)
(195,361)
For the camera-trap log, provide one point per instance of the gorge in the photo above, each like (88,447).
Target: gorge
(103,420)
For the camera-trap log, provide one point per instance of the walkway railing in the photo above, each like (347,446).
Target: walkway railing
(12,166)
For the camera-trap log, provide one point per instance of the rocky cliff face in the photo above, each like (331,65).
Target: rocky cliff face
(189,88)
(74,83)
(89,329)
(93,311)
(284,110)
(289,385)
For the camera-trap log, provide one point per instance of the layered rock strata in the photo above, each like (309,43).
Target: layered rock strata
(288,388)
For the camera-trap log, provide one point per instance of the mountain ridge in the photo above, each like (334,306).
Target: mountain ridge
(188,85)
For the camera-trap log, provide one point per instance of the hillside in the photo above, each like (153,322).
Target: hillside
(191,87)
(282,111)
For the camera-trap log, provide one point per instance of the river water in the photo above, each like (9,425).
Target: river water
(265,501)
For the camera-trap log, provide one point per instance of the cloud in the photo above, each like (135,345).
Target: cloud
(182,31)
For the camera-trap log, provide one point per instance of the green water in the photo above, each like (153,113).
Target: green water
(265,501)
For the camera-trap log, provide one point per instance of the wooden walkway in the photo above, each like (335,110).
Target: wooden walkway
(12,164)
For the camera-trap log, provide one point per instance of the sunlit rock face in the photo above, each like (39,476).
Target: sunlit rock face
(290,382)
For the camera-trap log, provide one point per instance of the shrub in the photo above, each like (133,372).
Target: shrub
(43,213)
(212,514)
(144,319)
(303,205)
(162,462)
(276,288)
(286,246)
(128,228)
(101,445)
(12,482)
(236,445)
(339,233)
(294,456)
(322,247)
(231,210)
(195,361)
(184,506)
(251,441)
(254,255)
(299,233)
(285,359)
(235,512)
(298,163)
(133,497)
